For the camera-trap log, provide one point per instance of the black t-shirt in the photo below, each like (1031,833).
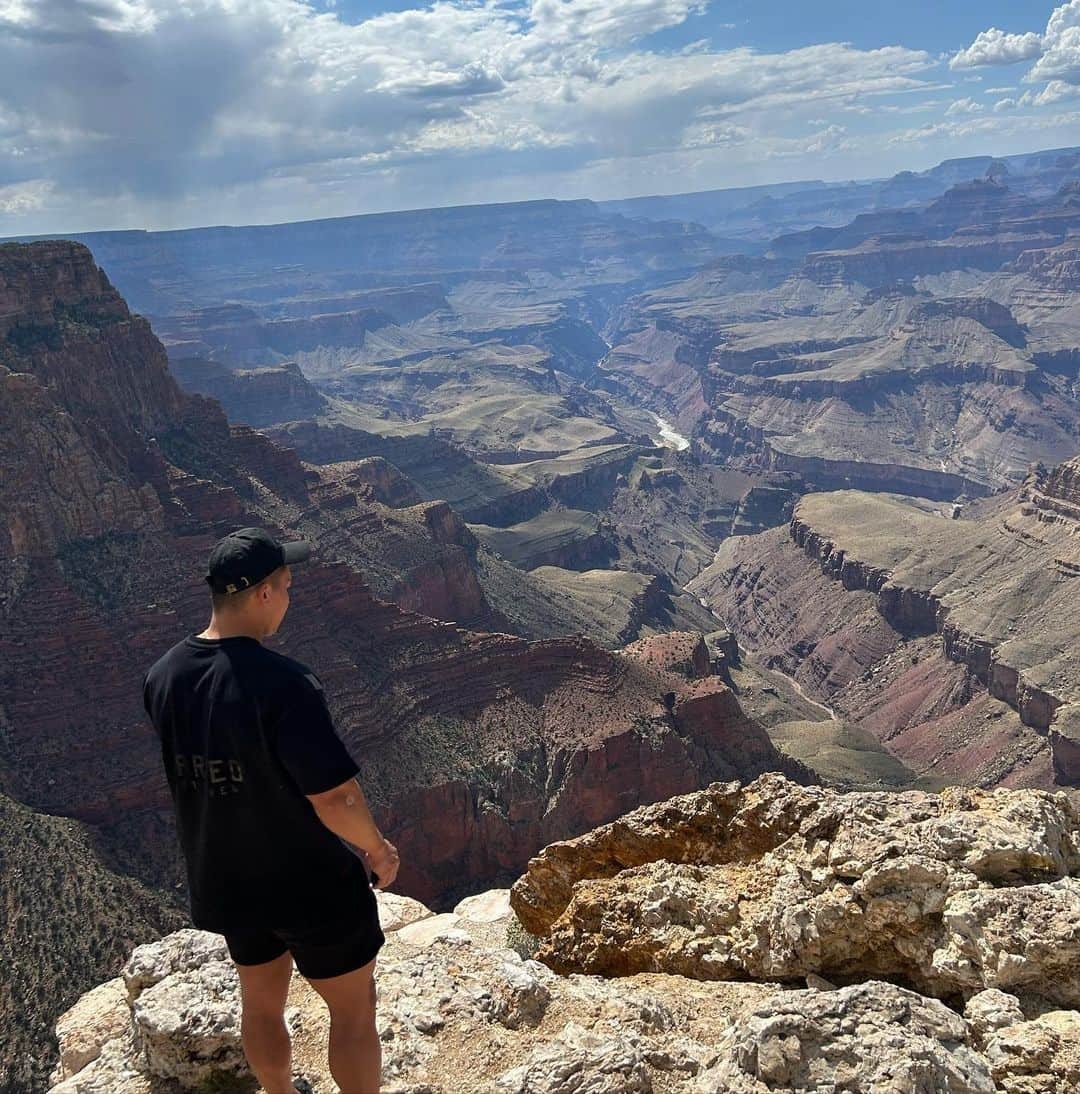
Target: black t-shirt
(245,735)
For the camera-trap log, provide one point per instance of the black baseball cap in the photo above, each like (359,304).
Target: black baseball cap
(244,557)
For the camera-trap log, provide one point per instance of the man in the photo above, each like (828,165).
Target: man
(275,830)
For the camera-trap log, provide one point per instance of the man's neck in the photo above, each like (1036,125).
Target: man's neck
(220,628)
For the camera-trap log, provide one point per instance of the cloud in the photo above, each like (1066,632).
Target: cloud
(1054,92)
(604,23)
(24,197)
(963,106)
(1057,49)
(182,111)
(1004,104)
(995,47)
(946,135)
(1060,58)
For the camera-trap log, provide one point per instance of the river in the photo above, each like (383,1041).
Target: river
(668,437)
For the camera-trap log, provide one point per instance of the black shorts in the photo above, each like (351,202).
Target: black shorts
(329,949)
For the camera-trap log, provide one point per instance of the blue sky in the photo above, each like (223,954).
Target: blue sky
(171,113)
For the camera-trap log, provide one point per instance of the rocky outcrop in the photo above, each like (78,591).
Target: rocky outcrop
(464,1005)
(950,894)
(1055,493)
(51,283)
(236,334)
(686,654)
(910,611)
(1055,268)
(384,481)
(871,1036)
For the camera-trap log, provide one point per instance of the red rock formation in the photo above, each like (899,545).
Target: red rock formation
(683,653)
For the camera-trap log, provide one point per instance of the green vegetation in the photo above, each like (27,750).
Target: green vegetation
(519,940)
(67,923)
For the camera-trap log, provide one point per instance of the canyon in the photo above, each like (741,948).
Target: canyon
(927,620)
(115,485)
(611,501)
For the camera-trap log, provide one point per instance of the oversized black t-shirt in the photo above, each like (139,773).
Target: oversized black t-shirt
(245,735)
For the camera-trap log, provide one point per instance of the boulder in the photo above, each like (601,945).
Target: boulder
(867,1037)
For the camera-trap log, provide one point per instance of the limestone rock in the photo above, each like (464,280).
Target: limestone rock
(485,907)
(456,1016)
(991,1010)
(424,931)
(101,1015)
(178,952)
(1037,1057)
(116,1070)
(396,911)
(1026,937)
(188,1024)
(777,881)
(580,1062)
(872,1037)
(969,894)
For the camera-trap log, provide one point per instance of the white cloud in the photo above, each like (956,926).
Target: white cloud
(1054,92)
(963,106)
(24,197)
(1060,59)
(946,135)
(605,23)
(995,47)
(1056,51)
(1004,104)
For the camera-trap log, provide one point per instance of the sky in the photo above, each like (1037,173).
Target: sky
(176,113)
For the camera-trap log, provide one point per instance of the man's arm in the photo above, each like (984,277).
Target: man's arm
(345,812)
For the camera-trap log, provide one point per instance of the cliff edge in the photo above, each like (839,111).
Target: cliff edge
(738,940)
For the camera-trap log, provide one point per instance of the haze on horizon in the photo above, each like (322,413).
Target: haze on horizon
(178,113)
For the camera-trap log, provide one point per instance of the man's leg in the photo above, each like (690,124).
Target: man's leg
(355,1052)
(263,989)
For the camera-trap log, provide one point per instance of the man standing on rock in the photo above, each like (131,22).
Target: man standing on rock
(273,824)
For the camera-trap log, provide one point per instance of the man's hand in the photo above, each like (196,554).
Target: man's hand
(383,863)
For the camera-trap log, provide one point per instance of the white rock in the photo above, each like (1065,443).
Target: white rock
(396,911)
(423,932)
(116,1070)
(872,1037)
(188,1025)
(518,995)
(487,907)
(177,952)
(100,1016)
(580,1062)
(1019,938)
(991,1010)
(1038,1057)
